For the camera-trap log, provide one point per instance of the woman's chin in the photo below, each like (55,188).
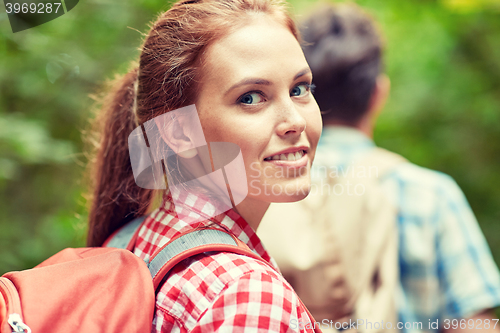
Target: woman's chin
(290,193)
(300,195)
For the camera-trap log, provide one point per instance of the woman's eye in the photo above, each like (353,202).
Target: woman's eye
(301,89)
(251,98)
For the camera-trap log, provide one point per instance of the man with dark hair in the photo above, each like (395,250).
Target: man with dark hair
(344,51)
(446,270)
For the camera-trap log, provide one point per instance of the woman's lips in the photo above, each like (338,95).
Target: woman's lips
(301,162)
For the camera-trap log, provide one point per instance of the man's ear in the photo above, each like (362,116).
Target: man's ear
(379,95)
(173,132)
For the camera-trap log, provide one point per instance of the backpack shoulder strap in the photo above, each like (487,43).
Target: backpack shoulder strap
(192,243)
(180,247)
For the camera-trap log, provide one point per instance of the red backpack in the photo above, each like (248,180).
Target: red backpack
(104,289)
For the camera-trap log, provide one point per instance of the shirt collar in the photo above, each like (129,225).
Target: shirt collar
(196,211)
(344,136)
(339,146)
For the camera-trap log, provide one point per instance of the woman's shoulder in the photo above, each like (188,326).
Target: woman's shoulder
(212,281)
(215,271)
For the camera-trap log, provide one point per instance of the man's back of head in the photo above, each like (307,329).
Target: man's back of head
(343,49)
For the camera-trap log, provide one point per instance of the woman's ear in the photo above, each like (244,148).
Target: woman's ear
(175,134)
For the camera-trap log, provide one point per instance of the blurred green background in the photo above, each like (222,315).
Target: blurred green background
(443,58)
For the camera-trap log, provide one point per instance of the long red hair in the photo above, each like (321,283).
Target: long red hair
(164,80)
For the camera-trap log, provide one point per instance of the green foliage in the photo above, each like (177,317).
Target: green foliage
(443,58)
(46,77)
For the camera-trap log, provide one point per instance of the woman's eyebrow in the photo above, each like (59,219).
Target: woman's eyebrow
(303,72)
(252,81)
(248,81)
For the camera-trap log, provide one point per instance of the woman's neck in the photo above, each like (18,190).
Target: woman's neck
(252,211)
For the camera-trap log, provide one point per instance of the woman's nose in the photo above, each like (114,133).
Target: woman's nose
(291,121)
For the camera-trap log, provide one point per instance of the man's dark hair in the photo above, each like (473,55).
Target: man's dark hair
(343,49)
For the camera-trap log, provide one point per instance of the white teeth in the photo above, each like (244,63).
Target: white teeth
(287,157)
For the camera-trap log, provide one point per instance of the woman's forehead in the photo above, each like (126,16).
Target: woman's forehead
(264,48)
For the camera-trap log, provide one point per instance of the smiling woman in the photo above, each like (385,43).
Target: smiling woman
(240,63)
(254,96)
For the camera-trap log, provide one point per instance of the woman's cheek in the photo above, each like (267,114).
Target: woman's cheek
(315,127)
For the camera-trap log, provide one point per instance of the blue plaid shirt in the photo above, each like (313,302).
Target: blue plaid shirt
(446,267)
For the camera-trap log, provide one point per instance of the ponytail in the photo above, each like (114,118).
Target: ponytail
(116,199)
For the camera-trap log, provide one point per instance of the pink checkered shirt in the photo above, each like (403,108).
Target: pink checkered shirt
(224,292)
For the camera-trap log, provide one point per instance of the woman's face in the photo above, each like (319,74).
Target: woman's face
(255,92)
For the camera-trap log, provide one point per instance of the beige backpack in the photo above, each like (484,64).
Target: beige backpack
(338,247)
